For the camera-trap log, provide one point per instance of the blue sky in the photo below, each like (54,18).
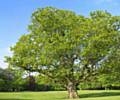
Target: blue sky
(15,16)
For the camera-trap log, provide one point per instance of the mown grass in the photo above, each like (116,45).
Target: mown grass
(61,95)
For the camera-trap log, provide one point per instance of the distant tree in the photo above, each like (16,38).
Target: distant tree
(18,80)
(6,77)
(11,79)
(110,70)
(66,47)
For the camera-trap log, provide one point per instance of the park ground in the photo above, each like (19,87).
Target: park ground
(62,95)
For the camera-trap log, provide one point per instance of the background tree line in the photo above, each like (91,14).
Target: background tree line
(15,80)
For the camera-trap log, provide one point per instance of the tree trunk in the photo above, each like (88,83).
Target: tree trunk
(72,91)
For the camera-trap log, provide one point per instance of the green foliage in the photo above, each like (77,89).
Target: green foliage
(11,80)
(66,47)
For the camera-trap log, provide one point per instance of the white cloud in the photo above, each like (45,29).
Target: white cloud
(3,64)
(4,52)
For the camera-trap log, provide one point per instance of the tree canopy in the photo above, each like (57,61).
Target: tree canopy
(66,47)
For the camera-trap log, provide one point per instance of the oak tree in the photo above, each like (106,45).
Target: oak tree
(66,47)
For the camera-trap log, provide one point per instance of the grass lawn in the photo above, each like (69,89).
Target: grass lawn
(58,95)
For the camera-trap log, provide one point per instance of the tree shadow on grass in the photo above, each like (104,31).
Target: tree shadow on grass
(94,95)
(102,94)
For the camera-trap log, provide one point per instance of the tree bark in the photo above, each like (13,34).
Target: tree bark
(72,91)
